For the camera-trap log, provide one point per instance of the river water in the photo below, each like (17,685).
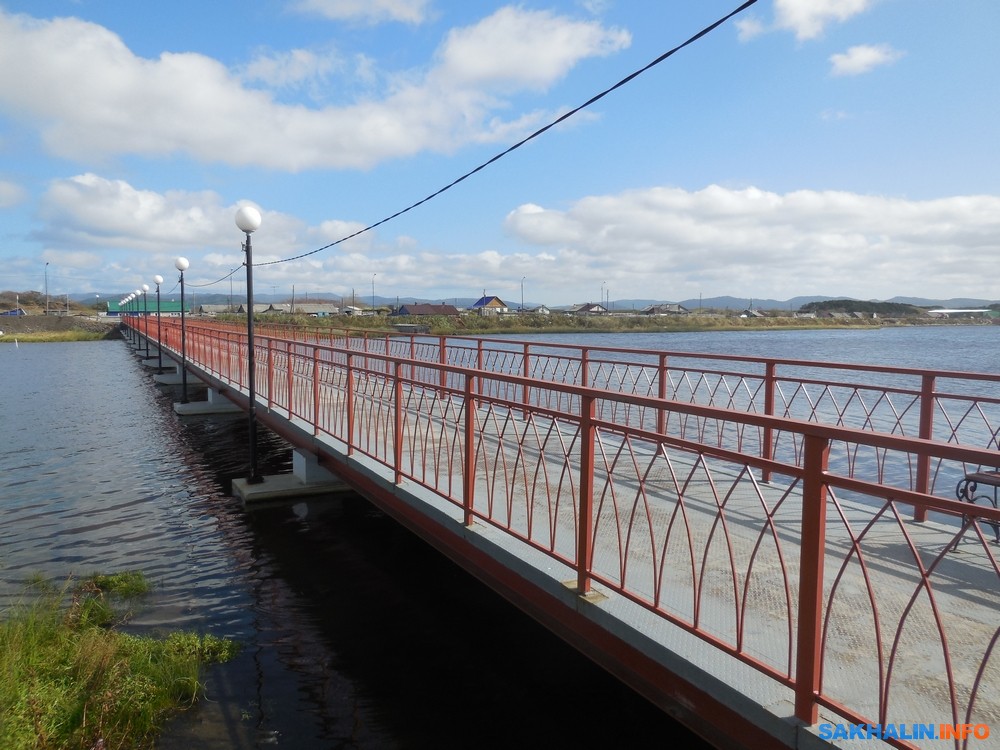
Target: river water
(355,633)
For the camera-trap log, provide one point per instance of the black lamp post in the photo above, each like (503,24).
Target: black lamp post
(137,312)
(128,312)
(159,339)
(136,332)
(248,221)
(145,315)
(181,264)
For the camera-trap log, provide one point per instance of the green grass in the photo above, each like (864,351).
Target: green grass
(49,337)
(68,678)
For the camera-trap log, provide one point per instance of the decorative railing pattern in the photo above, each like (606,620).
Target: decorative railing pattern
(766,513)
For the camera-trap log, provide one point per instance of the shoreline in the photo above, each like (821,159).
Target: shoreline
(34,329)
(48,329)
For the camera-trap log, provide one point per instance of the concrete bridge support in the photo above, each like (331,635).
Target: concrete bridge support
(308,479)
(215,403)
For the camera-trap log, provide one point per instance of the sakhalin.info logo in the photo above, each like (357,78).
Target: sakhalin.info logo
(904,731)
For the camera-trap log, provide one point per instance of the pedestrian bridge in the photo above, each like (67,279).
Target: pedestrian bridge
(772,551)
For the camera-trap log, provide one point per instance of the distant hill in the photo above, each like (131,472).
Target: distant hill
(795,303)
(719,303)
(885,309)
(955,302)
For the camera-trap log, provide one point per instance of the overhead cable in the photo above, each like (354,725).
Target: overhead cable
(540,131)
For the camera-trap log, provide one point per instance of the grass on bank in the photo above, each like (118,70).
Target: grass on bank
(49,337)
(69,679)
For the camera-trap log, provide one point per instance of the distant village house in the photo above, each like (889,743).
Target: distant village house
(590,308)
(666,309)
(489,306)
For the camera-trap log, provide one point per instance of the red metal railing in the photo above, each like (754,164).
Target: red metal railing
(932,405)
(775,538)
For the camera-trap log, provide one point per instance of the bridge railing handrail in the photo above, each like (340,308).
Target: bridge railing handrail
(901,444)
(833,432)
(585,354)
(373,388)
(473,342)
(972,419)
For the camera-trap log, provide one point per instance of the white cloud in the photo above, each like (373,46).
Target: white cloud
(808,18)
(862,59)
(750,27)
(596,7)
(514,48)
(71,259)
(97,212)
(661,243)
(92,98)
(767,244)
(292,68)
(11,194)
(369,11)
(132,231)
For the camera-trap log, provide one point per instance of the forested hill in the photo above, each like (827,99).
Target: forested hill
(886,309)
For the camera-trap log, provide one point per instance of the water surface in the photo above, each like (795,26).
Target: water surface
(355,633)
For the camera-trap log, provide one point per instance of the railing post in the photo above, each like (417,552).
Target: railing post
(927,386)
(469,477)
(443,359)
(397,430)
(290,367)
(479,361)
(367,364)
(661,392)
(270,373)
(316,408)
(585,519)
(241,365)
(526,373)
(767,449)
(349,403)
(812,555)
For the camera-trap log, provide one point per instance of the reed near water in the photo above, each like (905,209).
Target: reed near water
(70,678)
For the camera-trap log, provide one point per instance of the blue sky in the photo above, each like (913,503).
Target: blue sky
(829,147)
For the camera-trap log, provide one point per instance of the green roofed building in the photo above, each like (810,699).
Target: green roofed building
(171,308)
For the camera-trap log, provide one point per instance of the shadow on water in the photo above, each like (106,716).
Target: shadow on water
(359,635)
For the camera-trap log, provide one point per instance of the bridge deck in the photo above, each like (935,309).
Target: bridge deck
(965,594)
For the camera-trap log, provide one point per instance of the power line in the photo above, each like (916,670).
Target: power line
(219,281)
(537,133)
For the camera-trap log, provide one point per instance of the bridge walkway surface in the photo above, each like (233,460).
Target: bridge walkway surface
(770,581)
